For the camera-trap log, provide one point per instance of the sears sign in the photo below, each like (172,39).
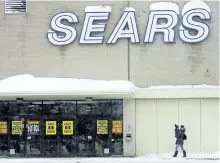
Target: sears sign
(96,18)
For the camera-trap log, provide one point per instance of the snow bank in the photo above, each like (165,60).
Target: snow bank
(98,9)
(183,86)
(161,6)
(195,4)
(29,83)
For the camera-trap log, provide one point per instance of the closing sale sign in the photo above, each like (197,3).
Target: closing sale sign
(96,19)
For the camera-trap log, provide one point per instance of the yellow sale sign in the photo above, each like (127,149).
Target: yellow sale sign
(117,127)
(102,127)
(67,127)
(51,127)
(17,127)
(3,128)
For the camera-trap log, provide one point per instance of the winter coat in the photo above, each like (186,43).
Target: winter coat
(179,137)
(176,131)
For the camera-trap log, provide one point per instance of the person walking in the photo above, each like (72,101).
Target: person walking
(180,137)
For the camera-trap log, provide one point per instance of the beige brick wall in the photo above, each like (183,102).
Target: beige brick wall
(25,49)
(178,63)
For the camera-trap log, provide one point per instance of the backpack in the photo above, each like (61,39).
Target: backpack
(184,137)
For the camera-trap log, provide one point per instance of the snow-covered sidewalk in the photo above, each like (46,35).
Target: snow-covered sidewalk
(153,158)
(105,160)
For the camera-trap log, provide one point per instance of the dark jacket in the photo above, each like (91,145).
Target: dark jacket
(176,132)
(179,137)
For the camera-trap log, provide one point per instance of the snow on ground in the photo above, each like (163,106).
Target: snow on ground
(180,154)
(150,158)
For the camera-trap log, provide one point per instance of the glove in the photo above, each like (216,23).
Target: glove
(176,126)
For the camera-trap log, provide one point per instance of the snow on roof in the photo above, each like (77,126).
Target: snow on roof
(129,9)
(183,86)
(98,9)
(29,83)
(161,6)
(195,4)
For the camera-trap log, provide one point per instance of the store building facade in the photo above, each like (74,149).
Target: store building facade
(51,40)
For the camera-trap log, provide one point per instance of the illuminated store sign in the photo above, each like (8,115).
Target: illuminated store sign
(191,30)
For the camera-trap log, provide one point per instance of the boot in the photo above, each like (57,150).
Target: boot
(175,154)
(184,153)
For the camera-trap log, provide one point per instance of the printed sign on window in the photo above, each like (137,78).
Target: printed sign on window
(67,127)
(51,127)
(33,127)
(3,127)
(17,127)
(117,127)
(102,127)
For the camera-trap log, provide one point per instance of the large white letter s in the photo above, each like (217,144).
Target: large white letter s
(57,26)
(188,23)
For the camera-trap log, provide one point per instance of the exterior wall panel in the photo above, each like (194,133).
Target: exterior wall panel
(167,111)
(190,117)
(129,120)
(146,127)
(209,125)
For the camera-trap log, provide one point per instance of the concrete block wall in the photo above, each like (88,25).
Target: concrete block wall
(25,48)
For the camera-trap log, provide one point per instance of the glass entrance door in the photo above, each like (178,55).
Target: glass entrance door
(94,128)
(68,136)
(33,132)
(85,126)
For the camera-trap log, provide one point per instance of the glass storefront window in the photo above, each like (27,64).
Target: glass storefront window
(3,136)
(50,108)
(17,108)
(33,148)
(24,131)
(68,108)
(4,108)
(17,136)
(117,108)
(103,108)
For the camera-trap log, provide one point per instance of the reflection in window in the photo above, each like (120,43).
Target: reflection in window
(34,108)
(85,109)
(33,148)
(16,108)
(117,107)
(49,108)
(67,148)
(3,145)
(16,147)
(3,136)
(3,108)
(103,108)
(50,148)
(117,148)
(68,108)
